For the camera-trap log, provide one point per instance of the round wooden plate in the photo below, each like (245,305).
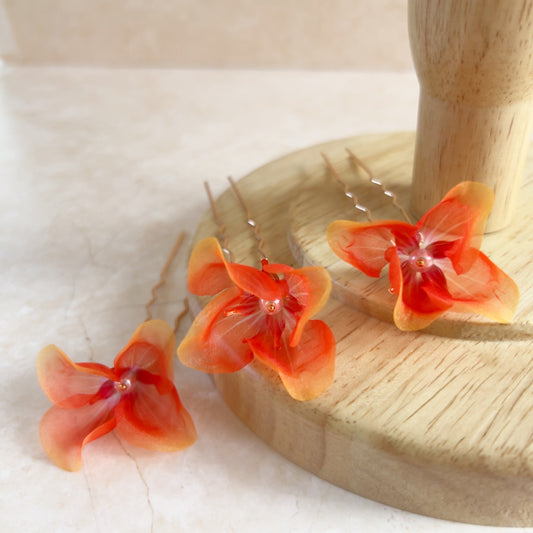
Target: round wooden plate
(438,422)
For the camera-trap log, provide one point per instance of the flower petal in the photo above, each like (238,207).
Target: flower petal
(277,358)
(275,268)
(307,369)
(419,302)
(151,347)
(154,418)
(460,216)
(311,287)
(408,319)
(67,384)
(363,244)
(215,341)
(64,432)
(315,362)
(484,289)
(207,273)
(256,282)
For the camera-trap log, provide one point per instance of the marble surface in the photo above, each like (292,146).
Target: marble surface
(100,170)
(332,34)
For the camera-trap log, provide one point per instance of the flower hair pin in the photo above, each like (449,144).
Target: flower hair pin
(137,396)
(351,194)
(262,314)
(435,265)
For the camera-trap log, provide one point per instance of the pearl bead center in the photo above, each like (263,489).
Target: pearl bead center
(270,307)
(420,260)
(123,385)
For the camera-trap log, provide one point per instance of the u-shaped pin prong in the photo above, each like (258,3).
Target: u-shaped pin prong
(347,191)
(249,219)
(378,183)
(221,235)
(163,275)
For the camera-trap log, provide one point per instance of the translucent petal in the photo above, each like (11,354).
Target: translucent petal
(64,432)
(427,292)
(461,216)
(484,289)
(256,282)
(363,245)
(207,274)
(149,419)
(215,341)
(67,384)
(151,347)
(311,287)
(419,301)
(276,268)
(277,358)
(307,369)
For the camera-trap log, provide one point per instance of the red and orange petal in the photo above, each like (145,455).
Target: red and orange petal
(67,384)
(460,215)
(278,359)
(363,244)
(64,432)
(151,347)
(485,289)
(154,421)
(214,342)
(207,274)
(473,202)
(307,369)
(275,268)
(311,287)
(417,306)
(256,282)
(408,319)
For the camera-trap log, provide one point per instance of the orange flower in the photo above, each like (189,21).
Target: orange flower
(436,264)
(263,314)
(137,396)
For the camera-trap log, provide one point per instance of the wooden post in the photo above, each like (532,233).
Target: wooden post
(474,61)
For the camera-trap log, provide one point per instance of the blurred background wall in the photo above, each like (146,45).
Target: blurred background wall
(292,34)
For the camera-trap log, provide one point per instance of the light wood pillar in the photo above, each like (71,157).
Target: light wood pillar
(474,61)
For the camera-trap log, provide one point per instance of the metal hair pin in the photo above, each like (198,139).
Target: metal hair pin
(347,191)
(221,235)
(380,184)
(161,282)
(250,220)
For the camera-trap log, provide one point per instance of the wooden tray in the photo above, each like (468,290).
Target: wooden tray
(438,422)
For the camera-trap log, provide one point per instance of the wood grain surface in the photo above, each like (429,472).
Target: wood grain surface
(438,422)
(474,62)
